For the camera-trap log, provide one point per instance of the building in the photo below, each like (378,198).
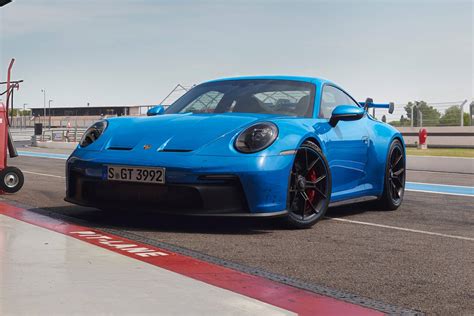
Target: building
(112,110)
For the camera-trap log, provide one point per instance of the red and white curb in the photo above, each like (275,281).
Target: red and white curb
(290,298)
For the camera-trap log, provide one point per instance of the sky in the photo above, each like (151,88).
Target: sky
(116,52)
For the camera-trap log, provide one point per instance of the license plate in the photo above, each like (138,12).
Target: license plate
(135,174)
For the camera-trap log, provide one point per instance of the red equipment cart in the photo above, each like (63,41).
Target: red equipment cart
(11,178)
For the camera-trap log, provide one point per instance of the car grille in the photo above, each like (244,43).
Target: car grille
(225,197)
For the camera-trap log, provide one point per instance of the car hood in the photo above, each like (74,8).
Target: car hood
(175,132)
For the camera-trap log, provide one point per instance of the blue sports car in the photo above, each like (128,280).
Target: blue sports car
(247,146)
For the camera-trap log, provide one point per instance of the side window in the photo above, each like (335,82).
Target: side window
(332,97)
(205,103)
(350,101)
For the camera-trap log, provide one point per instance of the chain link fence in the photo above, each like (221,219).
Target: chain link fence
(423,114)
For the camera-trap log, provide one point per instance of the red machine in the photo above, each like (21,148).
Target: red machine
(11,178)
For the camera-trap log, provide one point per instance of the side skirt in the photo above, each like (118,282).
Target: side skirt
(354,200)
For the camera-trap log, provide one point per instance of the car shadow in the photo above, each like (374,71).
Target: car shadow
(351,209)
(151,221)
(156,222)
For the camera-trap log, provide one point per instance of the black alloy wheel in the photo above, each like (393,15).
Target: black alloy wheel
(395,176)
(309,189)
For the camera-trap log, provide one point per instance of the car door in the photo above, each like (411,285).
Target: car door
(347,146)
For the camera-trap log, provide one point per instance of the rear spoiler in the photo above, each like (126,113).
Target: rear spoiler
(369,103)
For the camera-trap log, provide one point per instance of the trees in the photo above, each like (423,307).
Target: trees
(403,122)
(452,117)
(430,115)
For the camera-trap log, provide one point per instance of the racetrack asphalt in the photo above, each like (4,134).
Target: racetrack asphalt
(420,256)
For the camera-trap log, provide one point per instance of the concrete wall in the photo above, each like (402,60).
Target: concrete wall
(62,121)
(454,136)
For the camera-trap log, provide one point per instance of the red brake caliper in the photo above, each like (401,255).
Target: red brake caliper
(311,176)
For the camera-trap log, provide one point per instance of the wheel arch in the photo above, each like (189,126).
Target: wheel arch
(313,139)
(399,137)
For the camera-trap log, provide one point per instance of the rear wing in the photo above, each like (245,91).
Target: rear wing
(369,103)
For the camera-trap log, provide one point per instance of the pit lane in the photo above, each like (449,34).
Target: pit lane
(390,257)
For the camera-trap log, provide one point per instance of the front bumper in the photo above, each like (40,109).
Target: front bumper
(195,185)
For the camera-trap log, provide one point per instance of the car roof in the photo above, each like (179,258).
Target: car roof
(315,80)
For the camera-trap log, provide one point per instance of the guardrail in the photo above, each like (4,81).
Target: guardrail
(25,122)
(70,135)
(441,137)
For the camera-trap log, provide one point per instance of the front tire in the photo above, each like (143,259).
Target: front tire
(309,188)
(12,179)
(394,184)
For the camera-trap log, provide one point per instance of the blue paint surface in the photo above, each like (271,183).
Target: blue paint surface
(42,155)
(192,145)
(440,188)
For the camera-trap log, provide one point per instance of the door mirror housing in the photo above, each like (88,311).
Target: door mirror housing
(156,110)
(346,113)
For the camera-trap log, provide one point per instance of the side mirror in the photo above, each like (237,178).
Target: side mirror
(156,110)
(346,113)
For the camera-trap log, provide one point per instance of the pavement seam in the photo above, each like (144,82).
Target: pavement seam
(315,288)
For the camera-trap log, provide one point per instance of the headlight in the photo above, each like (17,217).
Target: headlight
(93,133)
(256,137)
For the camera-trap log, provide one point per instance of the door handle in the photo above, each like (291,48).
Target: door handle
(365,139)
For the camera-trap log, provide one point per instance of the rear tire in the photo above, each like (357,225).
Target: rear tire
(12,179)
(394,183)
(309,188)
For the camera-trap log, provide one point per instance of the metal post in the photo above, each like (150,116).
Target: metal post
(420,114)
(471,112)
(462,112)
(49,105)
(44,105)
(75,131)
(23,121)
(11,107)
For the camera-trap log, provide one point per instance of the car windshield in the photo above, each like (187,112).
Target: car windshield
(281,97)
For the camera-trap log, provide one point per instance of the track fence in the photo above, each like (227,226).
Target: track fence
(423,114)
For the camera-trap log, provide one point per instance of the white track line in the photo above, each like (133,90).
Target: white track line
(43,174)
(443,185)
(400,228)
(427,171)
(449,157)
(432,192)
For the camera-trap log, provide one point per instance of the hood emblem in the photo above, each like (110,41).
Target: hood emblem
(146,147)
